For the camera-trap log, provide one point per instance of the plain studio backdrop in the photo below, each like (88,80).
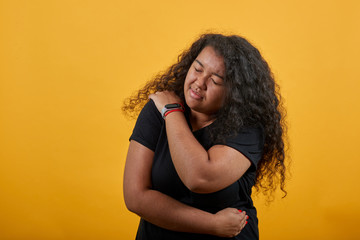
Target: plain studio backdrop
(67,65)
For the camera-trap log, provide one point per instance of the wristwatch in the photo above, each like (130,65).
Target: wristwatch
(171,107)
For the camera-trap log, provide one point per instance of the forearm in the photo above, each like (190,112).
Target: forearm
(168,213)
(154,206)
(190,159)
(201,170)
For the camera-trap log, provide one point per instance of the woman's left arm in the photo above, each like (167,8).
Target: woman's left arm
(200,170)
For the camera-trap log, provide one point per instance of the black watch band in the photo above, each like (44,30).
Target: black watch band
(169,107)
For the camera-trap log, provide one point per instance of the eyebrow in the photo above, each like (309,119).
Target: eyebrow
(212,73)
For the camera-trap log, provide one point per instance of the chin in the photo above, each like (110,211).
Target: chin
(192,103)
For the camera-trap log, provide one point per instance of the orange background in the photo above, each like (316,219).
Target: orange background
(67,65)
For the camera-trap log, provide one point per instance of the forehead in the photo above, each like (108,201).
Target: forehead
(211,60)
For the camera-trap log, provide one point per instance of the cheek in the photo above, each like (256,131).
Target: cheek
(220,98)
(219,94)
(189,77)
(186,82)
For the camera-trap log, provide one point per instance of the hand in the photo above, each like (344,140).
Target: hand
(229,222)
(162,98)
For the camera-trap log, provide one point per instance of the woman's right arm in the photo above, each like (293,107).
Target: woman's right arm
(166,212)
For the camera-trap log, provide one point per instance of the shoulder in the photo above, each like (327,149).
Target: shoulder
(150,109)
(249,140)
(249,135)
(148,126)
(150,115)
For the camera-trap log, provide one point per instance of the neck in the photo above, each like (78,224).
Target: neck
(200,120)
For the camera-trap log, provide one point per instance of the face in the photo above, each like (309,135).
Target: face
(204,86)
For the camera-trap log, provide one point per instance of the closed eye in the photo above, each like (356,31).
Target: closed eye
(215,82)
(197,69)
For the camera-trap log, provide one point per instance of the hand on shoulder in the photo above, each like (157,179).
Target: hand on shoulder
(162,98)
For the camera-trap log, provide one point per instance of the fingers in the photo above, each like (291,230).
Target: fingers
(232,221)
(243,220)
(152,95)
(243,213)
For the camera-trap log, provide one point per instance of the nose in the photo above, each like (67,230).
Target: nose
(201,82)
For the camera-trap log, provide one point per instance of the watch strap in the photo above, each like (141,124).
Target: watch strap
(170,107)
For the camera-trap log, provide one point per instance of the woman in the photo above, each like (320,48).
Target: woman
(212,130)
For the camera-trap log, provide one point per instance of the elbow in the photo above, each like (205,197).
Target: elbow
(202,183)
(131,200)
(130,205)
(197,189)
(198,185)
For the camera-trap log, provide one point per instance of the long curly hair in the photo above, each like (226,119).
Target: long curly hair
(253,97)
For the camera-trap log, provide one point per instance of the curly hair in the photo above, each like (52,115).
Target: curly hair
(253,97)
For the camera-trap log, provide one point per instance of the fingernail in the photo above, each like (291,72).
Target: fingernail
(247,217)
(239,210)
(245,222)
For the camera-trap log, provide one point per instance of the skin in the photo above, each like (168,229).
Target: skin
(204,88)
(200,170)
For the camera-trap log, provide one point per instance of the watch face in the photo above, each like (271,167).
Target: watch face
(173,105)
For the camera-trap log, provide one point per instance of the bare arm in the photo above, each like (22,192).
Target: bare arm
(200,170)
(165,211)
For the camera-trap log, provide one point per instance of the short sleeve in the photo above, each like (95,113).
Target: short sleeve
(250,142)
(148,126)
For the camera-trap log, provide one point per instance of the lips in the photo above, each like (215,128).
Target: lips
(195,94)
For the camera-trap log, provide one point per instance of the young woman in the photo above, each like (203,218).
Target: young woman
(212,130)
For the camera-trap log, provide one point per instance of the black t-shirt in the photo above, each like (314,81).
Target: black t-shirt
(150,131)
